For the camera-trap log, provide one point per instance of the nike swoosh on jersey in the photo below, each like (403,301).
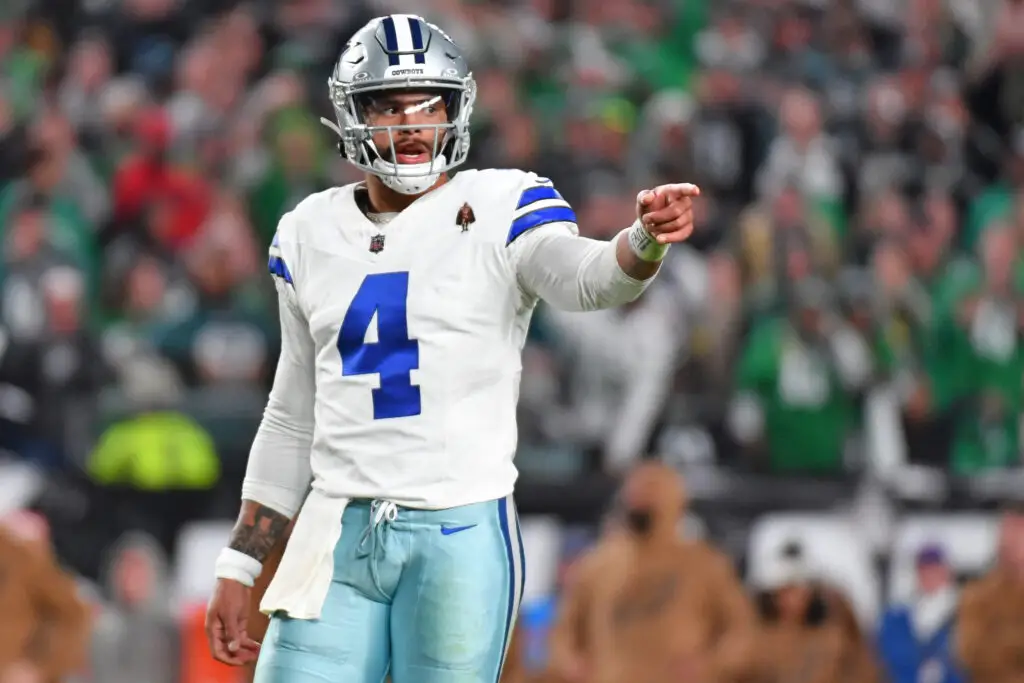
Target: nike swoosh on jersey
(449,530)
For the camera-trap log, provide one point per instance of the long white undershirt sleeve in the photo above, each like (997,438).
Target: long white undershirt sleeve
(570,272)
(278,472)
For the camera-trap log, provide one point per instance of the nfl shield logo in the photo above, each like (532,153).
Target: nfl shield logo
(376,244)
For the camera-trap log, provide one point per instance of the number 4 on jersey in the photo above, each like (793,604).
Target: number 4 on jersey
(394,355)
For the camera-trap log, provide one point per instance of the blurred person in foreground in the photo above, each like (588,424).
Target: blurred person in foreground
(990,620)
(405,301)
(808,629)
(646,604)
(136,637)
(915,641)
(46,625)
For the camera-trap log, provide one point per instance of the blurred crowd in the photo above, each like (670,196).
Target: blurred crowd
(645,604)
(854,296)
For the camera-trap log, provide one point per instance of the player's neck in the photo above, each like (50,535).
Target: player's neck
(385,200)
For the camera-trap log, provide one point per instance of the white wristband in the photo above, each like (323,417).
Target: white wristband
(643,245)
(237,566)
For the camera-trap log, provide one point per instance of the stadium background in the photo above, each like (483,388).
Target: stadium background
(835,359)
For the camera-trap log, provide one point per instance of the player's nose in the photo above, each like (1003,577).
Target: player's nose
(411,129)
(414,119)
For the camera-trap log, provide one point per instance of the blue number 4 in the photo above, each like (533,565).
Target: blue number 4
(394,355)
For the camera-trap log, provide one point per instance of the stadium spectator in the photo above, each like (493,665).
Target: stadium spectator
(808,629)
(988,311)
(798,378)
(915,641)
(46,625)
(136,638)
(988,641)
(647,603)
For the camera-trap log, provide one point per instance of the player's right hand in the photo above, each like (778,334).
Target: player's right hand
(667,211)
(227,616)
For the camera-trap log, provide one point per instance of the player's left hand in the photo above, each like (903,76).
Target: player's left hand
(667,211)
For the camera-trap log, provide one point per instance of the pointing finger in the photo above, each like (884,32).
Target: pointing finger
(677,190)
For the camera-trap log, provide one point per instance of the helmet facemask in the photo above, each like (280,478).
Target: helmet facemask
(352,103)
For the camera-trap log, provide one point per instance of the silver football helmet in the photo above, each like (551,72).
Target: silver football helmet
(401,51)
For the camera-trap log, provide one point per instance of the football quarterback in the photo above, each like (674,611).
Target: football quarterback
(390,430)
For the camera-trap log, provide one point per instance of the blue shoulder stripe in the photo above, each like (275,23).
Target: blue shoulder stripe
(539,204)
(536,194)
(278,268)
(534,219)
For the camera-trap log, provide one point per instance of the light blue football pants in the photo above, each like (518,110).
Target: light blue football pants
(429,596)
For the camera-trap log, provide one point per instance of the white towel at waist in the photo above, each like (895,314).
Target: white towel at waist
(304,576)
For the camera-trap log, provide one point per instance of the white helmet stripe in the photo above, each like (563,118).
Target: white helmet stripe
(403,37)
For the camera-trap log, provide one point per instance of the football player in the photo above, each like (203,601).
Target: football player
(404,302)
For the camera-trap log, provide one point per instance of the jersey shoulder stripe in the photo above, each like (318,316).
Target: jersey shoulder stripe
(539,204)
(532,195)
(278,268)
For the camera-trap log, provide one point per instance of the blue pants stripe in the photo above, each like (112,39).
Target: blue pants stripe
(522,561)
(510,555)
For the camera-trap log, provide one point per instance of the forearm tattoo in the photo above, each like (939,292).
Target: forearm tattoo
(258,530)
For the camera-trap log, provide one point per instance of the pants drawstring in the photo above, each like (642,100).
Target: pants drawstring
(382,513)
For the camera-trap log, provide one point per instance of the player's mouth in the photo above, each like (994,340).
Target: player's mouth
(412,155)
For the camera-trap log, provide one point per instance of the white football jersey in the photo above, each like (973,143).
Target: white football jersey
(402,342)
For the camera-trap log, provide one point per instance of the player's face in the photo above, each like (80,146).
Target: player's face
(412,145)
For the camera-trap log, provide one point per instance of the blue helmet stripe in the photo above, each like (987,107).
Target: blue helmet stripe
(390,40)
(417,40)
